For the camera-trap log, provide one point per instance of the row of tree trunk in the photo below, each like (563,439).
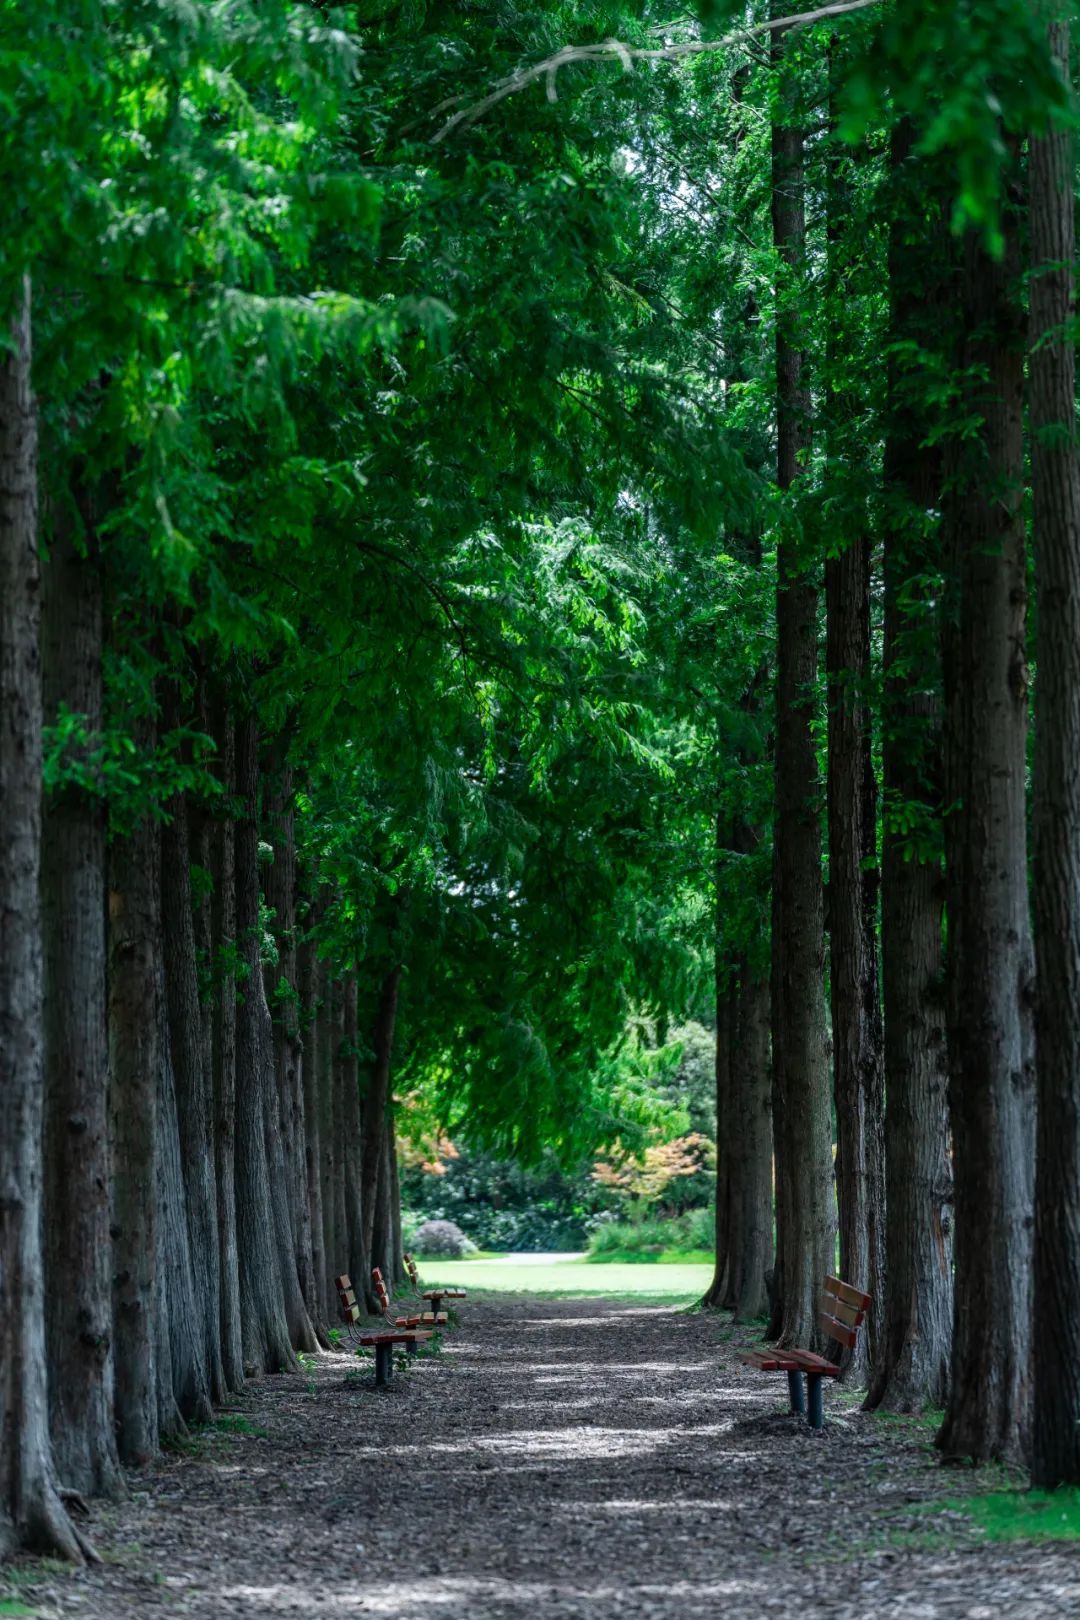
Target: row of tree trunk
(933,1075)
(193,1140)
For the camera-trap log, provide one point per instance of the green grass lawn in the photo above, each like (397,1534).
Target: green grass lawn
(569,1275)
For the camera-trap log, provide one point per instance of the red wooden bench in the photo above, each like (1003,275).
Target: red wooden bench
(843,1311)
(381,1339)
(434,1295)
(431,1319)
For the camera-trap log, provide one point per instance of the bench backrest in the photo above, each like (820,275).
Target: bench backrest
(410,1267)
(381,1292)
(346,1298)
(843,1311)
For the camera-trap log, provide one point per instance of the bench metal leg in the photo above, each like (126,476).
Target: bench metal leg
(384,1361)
(795,1388)
(816,1417)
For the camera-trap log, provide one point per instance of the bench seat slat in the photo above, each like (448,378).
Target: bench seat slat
(808,1361)
(764,1360)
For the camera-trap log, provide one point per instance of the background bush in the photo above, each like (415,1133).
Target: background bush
(443,1238)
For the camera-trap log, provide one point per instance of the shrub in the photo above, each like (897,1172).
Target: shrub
(503,1205)
(649,1238)
(442,1238)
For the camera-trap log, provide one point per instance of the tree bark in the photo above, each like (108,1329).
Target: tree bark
(78,1301)
(313,1130)
(856,1010)
(224,951)
(802,1122)
(283,993)
(858,1072)
(1056,486)
(313,1270)
(989,965)
(183,1380)
(376,1106)
(31,1511)
(911,1370)
(716,1295)
(193,1084)
(328,1141)
(358,1263)
(134,874)
(263,1321)
(396,1263)
(341,1228)
(752,1088)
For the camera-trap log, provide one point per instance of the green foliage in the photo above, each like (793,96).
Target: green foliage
(682,1238)
(502,1206)
(453,463)
(110,765)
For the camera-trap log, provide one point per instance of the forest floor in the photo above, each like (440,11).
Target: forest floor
(560,1458)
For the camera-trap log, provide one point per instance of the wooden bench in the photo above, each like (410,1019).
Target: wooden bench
(426,1319)
(843,1311)
(381,1340)
(434,1295)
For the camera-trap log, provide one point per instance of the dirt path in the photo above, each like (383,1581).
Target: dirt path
(562,1458)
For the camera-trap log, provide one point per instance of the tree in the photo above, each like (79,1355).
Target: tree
(852,784)
(1056,529)
(30,1506)
(805,1220)
(989,968)
(913,1353)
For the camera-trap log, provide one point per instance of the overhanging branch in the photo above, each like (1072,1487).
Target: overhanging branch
(614,50)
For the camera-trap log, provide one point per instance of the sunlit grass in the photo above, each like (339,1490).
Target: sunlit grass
(679,1282)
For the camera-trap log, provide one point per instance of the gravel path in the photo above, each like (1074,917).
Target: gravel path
(593,1458)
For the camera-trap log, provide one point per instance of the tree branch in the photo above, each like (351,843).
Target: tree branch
(614,49)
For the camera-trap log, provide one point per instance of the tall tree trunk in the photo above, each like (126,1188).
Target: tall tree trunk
(753,1089)
(856,1011)
(313,981)
(376,1107)
(193,1085)
(78,1300)
(1056,480)
(263,1321)
(224,947)
(301,1333)
(858,1062)
(309,1239)
(716,1294)
(134,875)
(802,1114)
(183,1380)
(383,1228)
(283,992)
(341,1230)
(989,965)
(911,1370)
(30,1507)
(328,1141)
(358,1263)
(736,1147)
(396,1261)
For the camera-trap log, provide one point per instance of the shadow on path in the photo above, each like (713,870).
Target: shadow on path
(584,1458)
